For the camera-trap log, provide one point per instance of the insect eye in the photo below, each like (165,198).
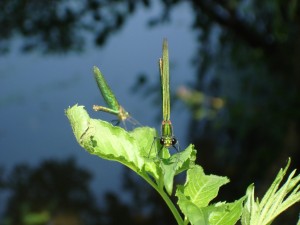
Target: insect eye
(174,141)
(162,141)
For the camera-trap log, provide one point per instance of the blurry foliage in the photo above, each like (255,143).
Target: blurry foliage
(57,26)
(248,54)
(201,105)
(54,191)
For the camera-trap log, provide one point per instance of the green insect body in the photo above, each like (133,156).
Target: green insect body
(113,105)
(167,139)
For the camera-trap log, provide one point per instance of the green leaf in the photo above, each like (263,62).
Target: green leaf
(194,214)
(250,206)
(196,194)
(110,142)
(177,162)
(225,213)
(79,120)
(275,201)
(201,188)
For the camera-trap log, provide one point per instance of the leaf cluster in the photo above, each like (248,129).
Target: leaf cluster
(134,150)
(138,150)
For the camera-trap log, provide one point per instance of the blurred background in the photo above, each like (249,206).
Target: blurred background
(235,76)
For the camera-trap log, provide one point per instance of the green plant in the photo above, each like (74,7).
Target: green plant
(194,197)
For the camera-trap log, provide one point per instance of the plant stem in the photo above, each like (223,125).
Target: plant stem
(166,199)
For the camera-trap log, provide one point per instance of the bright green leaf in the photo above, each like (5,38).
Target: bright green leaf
(275,201)
(175,163)
(225,213)
(107,141)
(201,188)
(196,194)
